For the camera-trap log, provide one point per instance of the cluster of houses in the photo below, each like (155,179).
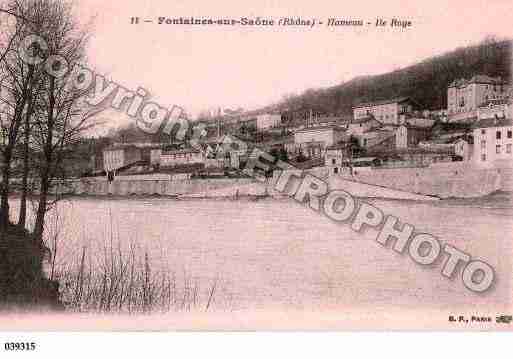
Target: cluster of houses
(476,127)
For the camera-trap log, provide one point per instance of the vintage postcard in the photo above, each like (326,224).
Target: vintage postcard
(293,165)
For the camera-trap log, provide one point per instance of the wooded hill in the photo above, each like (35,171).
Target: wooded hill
(426,82)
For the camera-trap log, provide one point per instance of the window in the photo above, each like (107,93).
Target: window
(483,158)
(483,144)
(333,161)
(335,170)
(498,135)
(498,149)
(509,133)
(508,148)
(483,132)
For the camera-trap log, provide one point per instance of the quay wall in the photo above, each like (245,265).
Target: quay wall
(221,188)
(208,187)
(444,180)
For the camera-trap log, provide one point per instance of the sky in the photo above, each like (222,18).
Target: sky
(201,68)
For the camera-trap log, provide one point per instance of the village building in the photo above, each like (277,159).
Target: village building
(331,120)
(390,136)
(283,143)
(336,158)
(226,151)
(358,127)
(375,137)
(267,121)
(450,130)
(461,148)
(413,156)
(172,158)
(425,122)
(384,144)
(409,135)
(464,97)
(387,111)
(493,141)
(155,154)
(496,108)
(119,156)
(312,141)
(464,149)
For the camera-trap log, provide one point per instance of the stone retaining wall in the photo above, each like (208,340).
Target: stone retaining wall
(444,180)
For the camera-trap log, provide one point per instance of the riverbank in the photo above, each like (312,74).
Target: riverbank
(228,188)
(444,180)
(487,199)
(453,180)
(23,284)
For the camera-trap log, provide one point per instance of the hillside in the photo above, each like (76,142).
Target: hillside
(426,81)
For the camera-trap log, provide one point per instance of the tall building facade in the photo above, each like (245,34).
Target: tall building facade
(268,120)
(387,111)
(465,96)
(118,156)
(493,140)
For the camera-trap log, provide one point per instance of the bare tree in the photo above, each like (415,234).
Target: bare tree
(60,110)
(42,114)
(33,96)
(17,86)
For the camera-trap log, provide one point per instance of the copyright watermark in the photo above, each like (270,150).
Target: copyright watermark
(340,206)
(149,116)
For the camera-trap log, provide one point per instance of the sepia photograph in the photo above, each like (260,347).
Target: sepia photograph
(255,166)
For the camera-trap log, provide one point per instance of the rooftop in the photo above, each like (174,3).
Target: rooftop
(180,151)
(420,122)
(383,102)
(150,145)
(183,168)
(338,146)
(413,151)
(477,79)
(332,119)
(493,122)
(495,102)
(452,126)
(321,128)
(379,130)
(364,120)
(417,127)
(447,141)
(279,141)
(121,146)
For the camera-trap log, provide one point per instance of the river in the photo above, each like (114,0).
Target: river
(274,254)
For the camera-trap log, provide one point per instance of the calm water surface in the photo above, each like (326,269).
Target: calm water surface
(277,253)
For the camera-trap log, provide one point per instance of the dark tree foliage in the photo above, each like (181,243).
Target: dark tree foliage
(426,81)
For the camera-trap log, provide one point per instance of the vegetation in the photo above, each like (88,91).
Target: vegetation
(42,118)
(126,282)
(426,81)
